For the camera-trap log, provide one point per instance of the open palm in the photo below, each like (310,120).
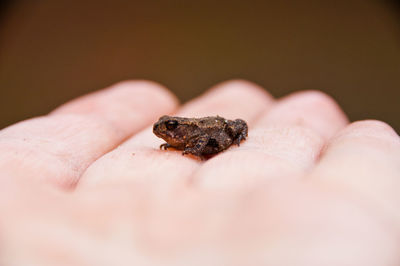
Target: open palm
(88,185)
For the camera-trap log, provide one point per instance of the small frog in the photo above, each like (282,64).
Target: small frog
(200,136)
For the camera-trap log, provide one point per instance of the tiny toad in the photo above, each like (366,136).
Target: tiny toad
(200,136)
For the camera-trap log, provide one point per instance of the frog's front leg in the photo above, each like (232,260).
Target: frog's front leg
(242,135)
(196,146)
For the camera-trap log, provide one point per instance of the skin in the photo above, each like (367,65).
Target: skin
(88,185)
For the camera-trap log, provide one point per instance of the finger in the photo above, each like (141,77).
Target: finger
(125,105)
(365,158)
(230,99)
(60,146)
(140,160)
(284,143)
(311,110)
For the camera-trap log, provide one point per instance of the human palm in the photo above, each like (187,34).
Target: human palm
(88,185)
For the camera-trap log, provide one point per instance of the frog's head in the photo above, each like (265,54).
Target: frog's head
(172,129)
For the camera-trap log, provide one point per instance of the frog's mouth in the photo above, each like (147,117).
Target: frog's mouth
(155,128)
(166,135)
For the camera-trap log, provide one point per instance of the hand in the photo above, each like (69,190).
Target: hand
(88,185)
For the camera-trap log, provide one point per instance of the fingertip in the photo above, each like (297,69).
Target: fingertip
(241,86)
(130,93)
(230,99)
(368,129)
(372,126)
(363,139)
(312,96)
(317,100)
(314,110)
(154,89)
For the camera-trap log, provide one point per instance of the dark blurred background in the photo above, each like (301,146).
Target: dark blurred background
(54,50)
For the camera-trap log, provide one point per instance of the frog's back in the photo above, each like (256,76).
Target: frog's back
(212,124)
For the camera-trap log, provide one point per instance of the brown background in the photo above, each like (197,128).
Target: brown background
(54,50)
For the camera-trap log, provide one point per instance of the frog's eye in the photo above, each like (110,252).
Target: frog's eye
(171,124)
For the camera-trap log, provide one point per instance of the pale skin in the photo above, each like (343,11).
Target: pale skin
(88,185)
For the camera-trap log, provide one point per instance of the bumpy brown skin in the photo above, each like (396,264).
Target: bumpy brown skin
(200,136)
